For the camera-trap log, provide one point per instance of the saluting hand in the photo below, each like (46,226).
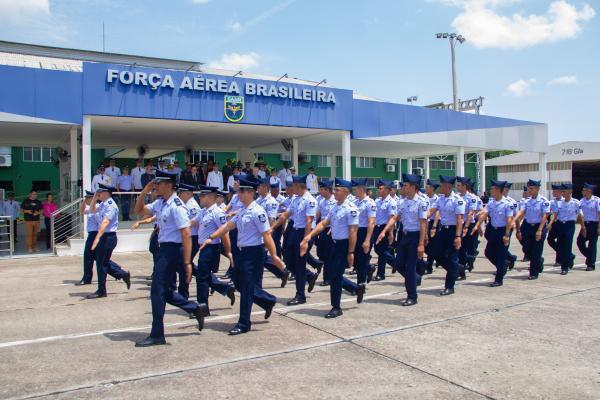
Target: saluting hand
(148,188)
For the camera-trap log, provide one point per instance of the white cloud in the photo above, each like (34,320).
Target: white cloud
(200,1)
(235,26)
(236,61)
(564,80)
(21,11)
(521,88)
(483,26)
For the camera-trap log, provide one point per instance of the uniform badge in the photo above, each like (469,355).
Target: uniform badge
(460,202)
(234,108)
(373,208)
(177,201)
(109,202)
(424,208)
(223,219)
(353,213)
(262,218)
(312,203)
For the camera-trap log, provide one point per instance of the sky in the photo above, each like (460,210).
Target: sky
(530,59)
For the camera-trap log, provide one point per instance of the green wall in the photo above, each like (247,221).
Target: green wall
(22,173)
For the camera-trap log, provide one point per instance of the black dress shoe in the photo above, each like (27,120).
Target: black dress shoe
(324,283)
(285,278)
(237,331)
(95,295)
(531,278)
(200,313)
(296,301)
(127,279)
(82,282)
(409,302)
(590,269)
(312,282)
(379,278)
(269,311)
(419,281)
(334,313)
(470,266)
(461,278)
(360,293)
(495,284)
(372,269)
(447,292)
(151,341)
(563,272)
(231,294)
(149,278)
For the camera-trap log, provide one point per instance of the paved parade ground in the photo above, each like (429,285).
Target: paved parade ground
(527,339)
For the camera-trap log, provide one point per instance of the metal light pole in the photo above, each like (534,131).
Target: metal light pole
(453,38)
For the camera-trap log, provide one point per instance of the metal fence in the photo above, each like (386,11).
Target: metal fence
(7,239)
(66,223)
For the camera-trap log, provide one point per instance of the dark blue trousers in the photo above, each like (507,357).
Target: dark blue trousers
(208,256)
(153,246)
(406,262)
(276,235)
(168,260)
(103,252)
(298,262)
(125,206)
(429,249)
(536,247)
(324,252)
(495,250)
(588,246)
(467,251)
(565,234)
(361,259)
(248,267)
(553,239)
(337,265)
(447,254)
(233,234)
(89,256)
(383,252)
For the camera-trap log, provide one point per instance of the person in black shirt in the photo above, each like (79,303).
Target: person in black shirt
(147,176)
(32,208)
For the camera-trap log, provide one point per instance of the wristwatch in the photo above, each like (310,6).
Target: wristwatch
(350,252)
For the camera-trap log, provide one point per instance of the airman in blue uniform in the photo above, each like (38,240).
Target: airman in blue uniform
(324,242)
(534,214)
(186,194)
(430,189)
(343,220)
(587,240)
(466,247)
(520,204)
(277,234)
(510,258)
(568,213)
(175,249)
(107,218)
(413,214)
(448,239)
(367,212)
(500,212)
(254,233)
(553,228)
(473,251)
(386,211)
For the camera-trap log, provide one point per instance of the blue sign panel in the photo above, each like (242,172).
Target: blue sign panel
(128,91)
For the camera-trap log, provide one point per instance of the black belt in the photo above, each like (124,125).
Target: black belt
(110,233)
(339,240)
(448,226)
(169,244)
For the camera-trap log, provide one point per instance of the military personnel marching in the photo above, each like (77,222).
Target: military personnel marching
(367,212)
(386,212)
(587,241)
(567,213)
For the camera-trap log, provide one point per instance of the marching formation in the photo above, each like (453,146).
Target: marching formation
(410,229)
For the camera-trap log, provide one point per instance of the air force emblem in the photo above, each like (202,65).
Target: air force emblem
(234,108)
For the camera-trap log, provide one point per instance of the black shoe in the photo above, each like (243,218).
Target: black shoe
(151,341)
(419,281)
(231,294)
(127,279)
(95,295)
(149,278)
(563,272)
(312,282)
(324,283)
(200,313)
(379,278)
(212,291)
(590,269)
(360,293)
(460,278)
(511,264)
(447,292)
(372,269)
(269,311)
(429,271)
(495,284)
(319,267)
(532,277)
(334,313)
(237,331)
(285,278)
(409,302)
(82,282)
(353,272)
(296,301)
(292,278)
(470,266)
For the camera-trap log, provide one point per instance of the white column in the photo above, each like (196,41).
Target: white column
(482,177)
(74,152)
(295,155)
(399,169)
(333,172)
(427,170)
(409,162)
(86,161)
(543,175)
(460,161)
(346,156)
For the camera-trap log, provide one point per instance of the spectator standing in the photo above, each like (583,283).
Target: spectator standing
(48,207)
(215,177)
(113,171)
(284,174)
(227,170)
(136,175)
(100,178)
(12,208)
(125,184)
(32,208)
(147,176)
(274,179)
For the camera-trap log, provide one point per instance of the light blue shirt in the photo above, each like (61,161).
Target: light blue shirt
(554,204)
(193,209)
(470,205)
(92,222)
(535,208)
(366,209)
(499,210)
(386,208)
(590,208)
(235,203)
(449,207)
(171,217)
(341,217)
(110,211)
(568,210)
(270,205)
(433,203)
(304,206)
(325,206)
(287,205)
(209,220)
(411,212)
(251,223)
(125,183)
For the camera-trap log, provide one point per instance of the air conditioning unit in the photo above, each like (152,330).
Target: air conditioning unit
(390,168)
(5,160)
(286,157)
(390,161)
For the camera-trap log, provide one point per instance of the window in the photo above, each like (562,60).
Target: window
(323,161)
(260,156)
(442,164)
(38,154)
(40,186)
(339,162)
(6,185)
(202,156)
(365,162)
